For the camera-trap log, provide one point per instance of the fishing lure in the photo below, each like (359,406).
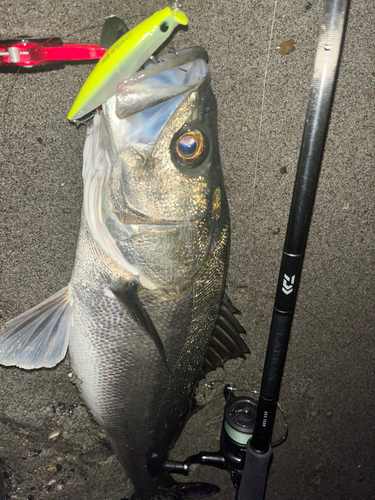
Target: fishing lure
(125,56)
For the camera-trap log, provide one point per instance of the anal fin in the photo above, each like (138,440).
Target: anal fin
(226,342)
(38,338)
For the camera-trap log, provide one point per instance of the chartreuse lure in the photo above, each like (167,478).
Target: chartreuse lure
(124,58)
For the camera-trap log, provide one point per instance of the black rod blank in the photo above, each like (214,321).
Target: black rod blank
(311,152)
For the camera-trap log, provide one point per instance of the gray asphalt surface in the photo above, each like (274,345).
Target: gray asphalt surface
(328,384)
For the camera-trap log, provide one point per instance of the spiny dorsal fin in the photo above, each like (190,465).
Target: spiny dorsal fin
(127,296)
(226,342)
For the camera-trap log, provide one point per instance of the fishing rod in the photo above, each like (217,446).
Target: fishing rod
(327,61)
(245,443)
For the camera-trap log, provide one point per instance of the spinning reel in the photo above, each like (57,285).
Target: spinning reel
(237,428)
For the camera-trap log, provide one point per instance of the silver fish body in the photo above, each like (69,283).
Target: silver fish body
(146,290)
(181,246)
(178,223)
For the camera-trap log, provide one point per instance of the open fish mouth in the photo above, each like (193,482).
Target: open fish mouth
(144,89)
(143,103)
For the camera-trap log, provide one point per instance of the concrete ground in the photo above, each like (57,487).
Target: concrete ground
(49,446)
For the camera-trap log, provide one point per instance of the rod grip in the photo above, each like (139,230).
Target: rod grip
(254,477)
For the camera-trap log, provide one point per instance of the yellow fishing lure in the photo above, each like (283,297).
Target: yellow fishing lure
(124,58)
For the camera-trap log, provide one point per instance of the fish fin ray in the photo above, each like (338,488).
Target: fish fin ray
(227,314)
(226,342)
(127,296)
(214,358)
(39,337)
(226,303)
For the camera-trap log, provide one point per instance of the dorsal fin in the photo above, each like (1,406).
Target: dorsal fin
(226,342)
(127,296)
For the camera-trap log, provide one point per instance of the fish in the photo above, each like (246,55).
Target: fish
(145,315)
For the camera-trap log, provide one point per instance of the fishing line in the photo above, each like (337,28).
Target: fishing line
(261,125)
(19,70)
(45,41)
(13,82)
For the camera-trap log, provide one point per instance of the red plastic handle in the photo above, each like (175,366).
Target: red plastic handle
(29,53)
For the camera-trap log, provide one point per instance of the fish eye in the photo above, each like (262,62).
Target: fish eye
(189,148)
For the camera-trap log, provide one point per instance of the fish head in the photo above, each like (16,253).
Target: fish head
(163,199)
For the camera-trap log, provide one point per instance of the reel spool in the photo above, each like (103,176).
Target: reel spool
(238,426)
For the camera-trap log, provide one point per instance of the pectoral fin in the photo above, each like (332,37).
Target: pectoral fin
(38,338)
(127,296)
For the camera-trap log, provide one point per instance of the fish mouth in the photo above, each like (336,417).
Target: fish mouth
(142,90)
(136,115)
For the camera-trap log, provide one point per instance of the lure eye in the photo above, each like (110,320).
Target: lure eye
(189,148)
(164,27)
